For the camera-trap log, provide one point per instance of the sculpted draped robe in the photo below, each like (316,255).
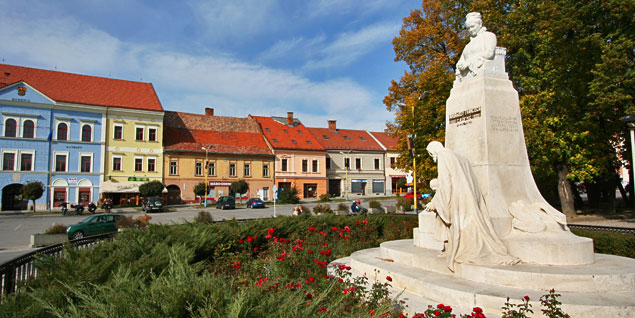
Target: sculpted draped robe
(461,206)
(481,48)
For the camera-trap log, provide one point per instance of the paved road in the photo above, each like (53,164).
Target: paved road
(16,229)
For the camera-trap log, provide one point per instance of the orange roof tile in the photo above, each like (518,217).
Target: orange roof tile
(345,139)
(190,132)
(282,136)
(84,89)
(387,139)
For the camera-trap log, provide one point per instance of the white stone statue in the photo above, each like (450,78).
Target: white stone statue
(480,49)
(461,206)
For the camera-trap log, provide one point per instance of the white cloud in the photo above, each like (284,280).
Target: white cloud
(186,82)
(295,47)
(340,7)
(350,46)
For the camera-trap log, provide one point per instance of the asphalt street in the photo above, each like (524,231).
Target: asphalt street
(16,228)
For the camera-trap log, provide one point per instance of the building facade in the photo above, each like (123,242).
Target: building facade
(300,161)
(354,159)
(392,174)
(218,149)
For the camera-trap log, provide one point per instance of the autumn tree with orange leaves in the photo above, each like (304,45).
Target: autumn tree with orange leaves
(570,61)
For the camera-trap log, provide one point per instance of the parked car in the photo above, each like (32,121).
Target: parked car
(152,204)
(226,202)
(93,225)
(255,203)
(410,195)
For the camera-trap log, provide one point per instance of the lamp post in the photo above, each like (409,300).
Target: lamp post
(206,171)
(346,166)
(630,122)
(411,147)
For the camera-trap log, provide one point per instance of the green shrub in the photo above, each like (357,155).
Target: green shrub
(325,197)
(289,196)
(204,217)
(125,221)
(56,229)
(610,242)
(405,204)
(322,209)
(374,204)
(343,207)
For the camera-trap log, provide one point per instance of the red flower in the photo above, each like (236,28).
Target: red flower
(255,249)
(325,244)
(310,251)
(270,231)
(526,298)
(356,222)
(250,239)
(309,296)
(437,313)
(310,279)
(388,278)
(440,306)
(240,241)
(477,309)
(322,309)
(364,222)
(447,309)
(312,228)
(335,229)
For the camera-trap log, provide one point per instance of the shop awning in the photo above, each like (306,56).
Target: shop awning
(122,187)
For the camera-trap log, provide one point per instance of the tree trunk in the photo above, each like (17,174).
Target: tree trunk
(33,206)
(565,192)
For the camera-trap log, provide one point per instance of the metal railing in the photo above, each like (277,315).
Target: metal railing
(20,269)
(625,230)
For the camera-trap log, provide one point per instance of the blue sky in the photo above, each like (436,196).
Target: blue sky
(322,59)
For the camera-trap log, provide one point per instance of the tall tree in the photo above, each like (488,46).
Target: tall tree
(33,190)
(562,58)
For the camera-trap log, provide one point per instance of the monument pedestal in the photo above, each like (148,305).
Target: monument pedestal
(605,288)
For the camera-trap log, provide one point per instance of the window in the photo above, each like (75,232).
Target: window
(325,137)
(285,131)
(293,141)
(358,163)
(308,142)
(118,129)
(152,164)
(362,138)
(392,162)
(347,163)
(60,163)
(284,164)
(26,162)
(275,140)
(299,131)
(173,167)
(8,161)
(62,131)
(247,170)
(328,163)
(198,168)
(139,133)
(87,133)
(316,165)
(265,170)
(211,168)
(346,137)
(152,134)
(305,165)
(232,169)
(116,163)
(138,164)
(376,163)
(267,130)
(85,161)
(10,128)
(28,129)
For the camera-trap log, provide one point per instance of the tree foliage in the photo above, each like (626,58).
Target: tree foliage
(571,62)
(289,196)
(199,189)
(240,187)
(33,190)
(151,189)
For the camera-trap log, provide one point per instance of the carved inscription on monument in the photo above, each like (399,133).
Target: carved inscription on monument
(465,117)
(504,123)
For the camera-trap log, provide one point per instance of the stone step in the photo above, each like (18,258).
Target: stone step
(458,292)
(607,274)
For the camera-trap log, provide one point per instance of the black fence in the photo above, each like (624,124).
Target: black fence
(22,268)
(625,230)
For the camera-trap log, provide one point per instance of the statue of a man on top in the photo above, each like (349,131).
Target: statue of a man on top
(481,48)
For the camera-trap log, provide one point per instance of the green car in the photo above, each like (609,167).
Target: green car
(93,225)
(226,202)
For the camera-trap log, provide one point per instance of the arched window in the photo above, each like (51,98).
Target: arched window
(62,131)
(86,133)
(10,128)
(28,131)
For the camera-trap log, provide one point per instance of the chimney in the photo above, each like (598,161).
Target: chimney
(332,125)
(290,119)
(6,79)
(209,111)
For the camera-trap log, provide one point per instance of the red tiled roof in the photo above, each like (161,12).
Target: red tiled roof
(387,139)
(282,136)
(183,131)
(84,89)
(345,139)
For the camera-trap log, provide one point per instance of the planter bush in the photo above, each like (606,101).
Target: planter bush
(56,229)
(322,209)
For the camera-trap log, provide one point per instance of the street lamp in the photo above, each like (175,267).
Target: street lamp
(346,166)
(630,122)
(411,148)
(206,171)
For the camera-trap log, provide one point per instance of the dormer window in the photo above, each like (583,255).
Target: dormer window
(346,137)
(275,140)
(362,138)
(293,141)
(308,142)
(267,130)
(299,131)
(285,131)
(325,137)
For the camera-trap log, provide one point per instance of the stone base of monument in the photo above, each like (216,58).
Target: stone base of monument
(605,288)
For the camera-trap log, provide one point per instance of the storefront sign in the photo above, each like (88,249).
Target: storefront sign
(137,179)
(219,184)
(72,180)
(397,175)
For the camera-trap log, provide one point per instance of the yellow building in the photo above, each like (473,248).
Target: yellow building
(134,147)
(234,147)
